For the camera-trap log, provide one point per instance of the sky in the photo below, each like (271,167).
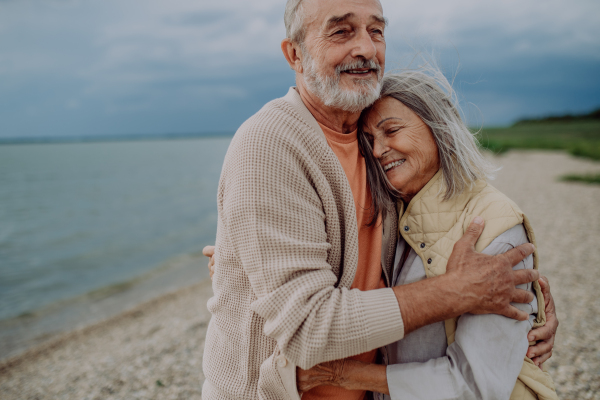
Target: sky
(111,67)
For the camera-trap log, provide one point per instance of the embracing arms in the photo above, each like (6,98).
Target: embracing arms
(482,363)
(475,282)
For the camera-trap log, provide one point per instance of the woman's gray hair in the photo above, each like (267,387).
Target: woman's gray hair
(430,96)
(293,19)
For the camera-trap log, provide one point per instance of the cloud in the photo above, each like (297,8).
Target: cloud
(144,66)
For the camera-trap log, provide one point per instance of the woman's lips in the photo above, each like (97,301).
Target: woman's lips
(393,164)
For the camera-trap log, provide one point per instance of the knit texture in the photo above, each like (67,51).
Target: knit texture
(286,255)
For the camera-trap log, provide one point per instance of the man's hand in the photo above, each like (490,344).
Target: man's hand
(489,281)
(474,282)
(544,335)
(209,251)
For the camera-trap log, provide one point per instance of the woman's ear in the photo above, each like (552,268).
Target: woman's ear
(292,54)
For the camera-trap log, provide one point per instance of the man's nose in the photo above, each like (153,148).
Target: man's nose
(364,46)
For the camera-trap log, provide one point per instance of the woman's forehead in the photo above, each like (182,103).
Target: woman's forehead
(384,109)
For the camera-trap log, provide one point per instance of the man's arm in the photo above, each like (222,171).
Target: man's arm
(474,282)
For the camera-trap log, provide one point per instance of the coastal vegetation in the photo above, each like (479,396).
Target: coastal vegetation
(577,134)
(585,178)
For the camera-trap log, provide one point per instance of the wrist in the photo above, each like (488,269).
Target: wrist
(461,294)
(362,376)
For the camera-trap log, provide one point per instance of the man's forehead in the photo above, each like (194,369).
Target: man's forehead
(327,12)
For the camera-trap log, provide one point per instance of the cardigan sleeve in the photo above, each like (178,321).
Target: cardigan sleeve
(277,226)
(486,357)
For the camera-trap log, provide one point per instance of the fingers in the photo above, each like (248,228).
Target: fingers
(540,349)
(519,253)
(522,296)
(542,333)
(524,275)
(514,313)
(541,359)
(211,267)
(544,285)
(208,251)
(472,233)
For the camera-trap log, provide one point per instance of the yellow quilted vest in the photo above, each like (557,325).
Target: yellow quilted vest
(431,226)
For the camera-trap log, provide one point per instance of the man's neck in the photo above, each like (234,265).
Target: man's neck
(333,118)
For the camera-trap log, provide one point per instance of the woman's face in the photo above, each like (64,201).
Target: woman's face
(403,144)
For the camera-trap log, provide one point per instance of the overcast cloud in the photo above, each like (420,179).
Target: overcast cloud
(130,66)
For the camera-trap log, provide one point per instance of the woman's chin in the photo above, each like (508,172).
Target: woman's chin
(397,178)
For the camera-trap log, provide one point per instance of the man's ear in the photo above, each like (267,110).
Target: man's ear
(292,54)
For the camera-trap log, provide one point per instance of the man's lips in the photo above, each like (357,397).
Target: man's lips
(393,164)
(359,71)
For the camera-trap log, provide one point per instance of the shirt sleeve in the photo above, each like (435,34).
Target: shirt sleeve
(486,357)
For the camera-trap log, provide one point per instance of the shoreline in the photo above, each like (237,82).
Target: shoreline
(137,345)
(21,333)
(61,339)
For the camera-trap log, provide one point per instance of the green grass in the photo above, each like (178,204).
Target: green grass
(585,178)
(580,138)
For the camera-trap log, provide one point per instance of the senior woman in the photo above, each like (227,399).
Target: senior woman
(421,157)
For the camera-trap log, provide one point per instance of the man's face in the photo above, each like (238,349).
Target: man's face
(344,51)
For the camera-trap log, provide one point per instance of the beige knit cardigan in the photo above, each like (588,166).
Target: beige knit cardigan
(286,256)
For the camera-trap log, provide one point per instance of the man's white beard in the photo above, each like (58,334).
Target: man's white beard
(328,89)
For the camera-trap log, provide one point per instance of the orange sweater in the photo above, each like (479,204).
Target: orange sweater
(368,274)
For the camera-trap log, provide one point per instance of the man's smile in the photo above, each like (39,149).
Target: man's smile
(359,71)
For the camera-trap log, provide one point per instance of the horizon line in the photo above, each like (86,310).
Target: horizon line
(111,137)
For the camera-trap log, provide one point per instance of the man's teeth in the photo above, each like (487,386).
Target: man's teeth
(393,164)
(357,72)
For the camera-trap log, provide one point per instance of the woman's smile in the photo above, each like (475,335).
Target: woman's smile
(393,164)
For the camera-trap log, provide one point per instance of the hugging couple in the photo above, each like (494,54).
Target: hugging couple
(360,251)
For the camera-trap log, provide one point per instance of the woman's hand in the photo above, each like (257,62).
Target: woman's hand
(544,335)
(347,374)
(209,251)
(328,373)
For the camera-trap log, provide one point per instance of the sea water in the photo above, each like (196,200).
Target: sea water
(79,217)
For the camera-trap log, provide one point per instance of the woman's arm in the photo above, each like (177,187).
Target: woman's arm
(486,357)
(348,374)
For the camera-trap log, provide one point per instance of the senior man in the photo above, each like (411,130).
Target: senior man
(301,278)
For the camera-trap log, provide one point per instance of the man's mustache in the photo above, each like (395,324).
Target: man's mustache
(358,64)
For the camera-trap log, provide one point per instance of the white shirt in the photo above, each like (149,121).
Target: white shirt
(486,357)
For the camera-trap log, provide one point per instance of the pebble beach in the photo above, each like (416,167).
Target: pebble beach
(154,350)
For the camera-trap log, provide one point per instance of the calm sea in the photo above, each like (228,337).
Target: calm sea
(77,217)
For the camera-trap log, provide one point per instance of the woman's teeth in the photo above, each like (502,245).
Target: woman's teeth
(393,164)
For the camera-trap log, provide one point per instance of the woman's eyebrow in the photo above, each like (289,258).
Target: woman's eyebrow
(383,120)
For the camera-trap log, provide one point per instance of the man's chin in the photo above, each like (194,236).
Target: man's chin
(355,82)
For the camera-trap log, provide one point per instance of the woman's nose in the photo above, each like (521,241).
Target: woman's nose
(379,148)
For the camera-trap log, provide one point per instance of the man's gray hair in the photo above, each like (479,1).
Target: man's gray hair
(431,97)
(293,19)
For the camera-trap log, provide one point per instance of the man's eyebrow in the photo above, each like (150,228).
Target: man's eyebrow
(383,120)
(380,19)
(333,21)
